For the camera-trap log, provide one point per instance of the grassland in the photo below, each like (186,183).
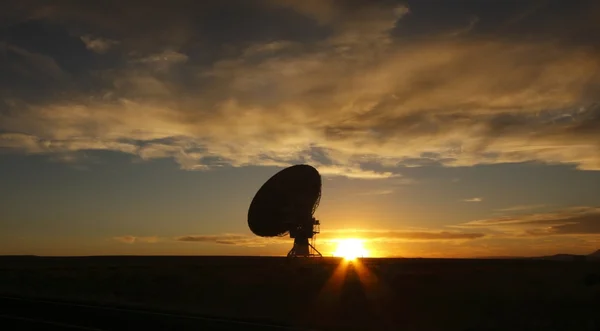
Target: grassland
(328,294)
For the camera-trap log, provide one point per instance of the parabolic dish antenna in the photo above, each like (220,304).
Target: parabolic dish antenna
(285,204)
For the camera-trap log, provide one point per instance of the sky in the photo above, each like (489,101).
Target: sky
(440,128)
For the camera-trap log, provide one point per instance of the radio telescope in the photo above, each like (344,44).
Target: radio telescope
(285,204)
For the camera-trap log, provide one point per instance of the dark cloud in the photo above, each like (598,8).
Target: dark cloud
(583,224)
(232,239)
(571,221)
(149,26)
(564,22)
(333,235)
(23,70)
(434,235)
(391,235)
(98,45)
(331,82)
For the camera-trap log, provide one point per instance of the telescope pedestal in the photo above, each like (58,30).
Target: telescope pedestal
(303,248)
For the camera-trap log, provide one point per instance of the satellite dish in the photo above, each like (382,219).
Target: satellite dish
(285,204)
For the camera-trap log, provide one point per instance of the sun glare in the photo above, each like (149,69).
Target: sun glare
(350,249)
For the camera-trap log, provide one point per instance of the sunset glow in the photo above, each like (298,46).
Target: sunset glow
(438,130)
(350,249)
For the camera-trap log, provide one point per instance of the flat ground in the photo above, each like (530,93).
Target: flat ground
(328,294)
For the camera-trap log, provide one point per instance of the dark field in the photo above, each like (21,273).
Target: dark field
(326,294)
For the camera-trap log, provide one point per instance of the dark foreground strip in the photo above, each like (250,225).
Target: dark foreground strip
(24,322)
(63,315)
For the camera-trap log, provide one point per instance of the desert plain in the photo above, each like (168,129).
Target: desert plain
(327,293)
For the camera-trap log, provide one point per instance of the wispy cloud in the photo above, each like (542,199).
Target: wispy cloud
(472,22)
(162,61)
(353,172)
(378,192)
(521,208)
(270,47)
(473,200)
(233,239)
(31,64)
(98,44)
(399,235)
(328,235)
(570,221)
(133,239)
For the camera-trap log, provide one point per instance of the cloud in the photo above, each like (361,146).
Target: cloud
(353,172)
(138,24)
(267,48)
(354,24)
(378,192)
(163,60)
(29,143)
(521,208)
(329,235)
(570,221)
(30,64)
(133,239)
(97,44)
(234,239)
(472,21)
(473,200)
(352,89)
(394,235)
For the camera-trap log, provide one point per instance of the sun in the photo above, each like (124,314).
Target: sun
(350,249)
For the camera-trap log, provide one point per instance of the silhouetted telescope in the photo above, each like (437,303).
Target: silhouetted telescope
(285,204)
